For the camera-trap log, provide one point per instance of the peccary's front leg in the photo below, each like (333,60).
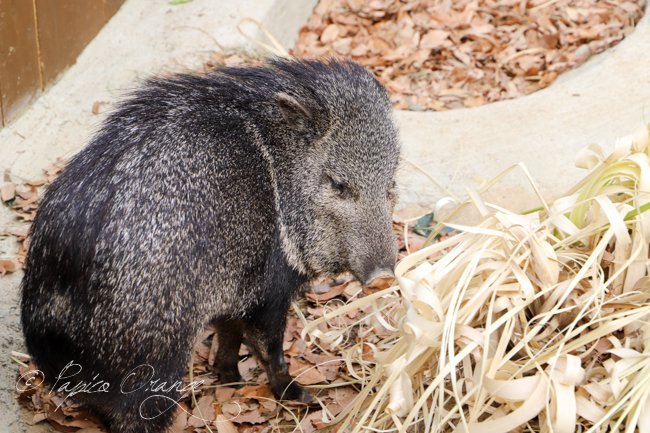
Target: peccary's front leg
(265,339)
(230,336)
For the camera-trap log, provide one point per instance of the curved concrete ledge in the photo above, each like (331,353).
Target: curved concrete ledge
(607,97)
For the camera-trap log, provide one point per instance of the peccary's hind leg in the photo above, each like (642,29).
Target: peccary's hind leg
(137,408)
(229,336)
(265,339)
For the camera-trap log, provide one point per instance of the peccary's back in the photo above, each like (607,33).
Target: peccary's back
(169,204)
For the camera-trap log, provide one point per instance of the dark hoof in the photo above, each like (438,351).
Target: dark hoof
(294,392)
(305,397)
(229,377)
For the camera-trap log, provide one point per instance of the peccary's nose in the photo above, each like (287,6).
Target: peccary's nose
(380,272)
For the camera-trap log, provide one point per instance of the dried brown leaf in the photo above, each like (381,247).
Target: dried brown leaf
(223,393)
(97,106)
(252,417)
(9,266)
(330,34)
(180,423)
(254,391)
(206,406)
(8,191)
(434,39)
(304,373)
(39,182)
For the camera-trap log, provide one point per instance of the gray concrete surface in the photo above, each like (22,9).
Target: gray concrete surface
(603,99)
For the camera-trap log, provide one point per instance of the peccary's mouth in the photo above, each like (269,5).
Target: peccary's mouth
(380,272)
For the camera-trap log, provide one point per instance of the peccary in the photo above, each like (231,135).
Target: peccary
(204,199)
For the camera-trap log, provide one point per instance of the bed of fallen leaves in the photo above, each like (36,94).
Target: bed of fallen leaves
(249,407)
(443,54)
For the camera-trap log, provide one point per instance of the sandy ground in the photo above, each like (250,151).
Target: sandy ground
(601,100)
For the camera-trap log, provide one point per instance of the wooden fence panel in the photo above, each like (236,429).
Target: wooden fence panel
(110,7)
(19,75)
(39,39)
(64,28)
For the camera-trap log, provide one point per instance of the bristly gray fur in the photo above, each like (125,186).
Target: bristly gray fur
(207,198)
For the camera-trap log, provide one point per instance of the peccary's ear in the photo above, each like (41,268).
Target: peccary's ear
(294,113)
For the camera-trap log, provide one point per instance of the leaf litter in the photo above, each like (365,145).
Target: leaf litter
(444,54)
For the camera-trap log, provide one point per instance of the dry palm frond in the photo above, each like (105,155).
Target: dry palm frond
(533,322)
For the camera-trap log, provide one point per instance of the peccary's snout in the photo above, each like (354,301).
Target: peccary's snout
(377,257)
(381,266)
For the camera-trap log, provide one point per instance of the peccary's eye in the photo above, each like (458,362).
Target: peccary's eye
(338,187)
